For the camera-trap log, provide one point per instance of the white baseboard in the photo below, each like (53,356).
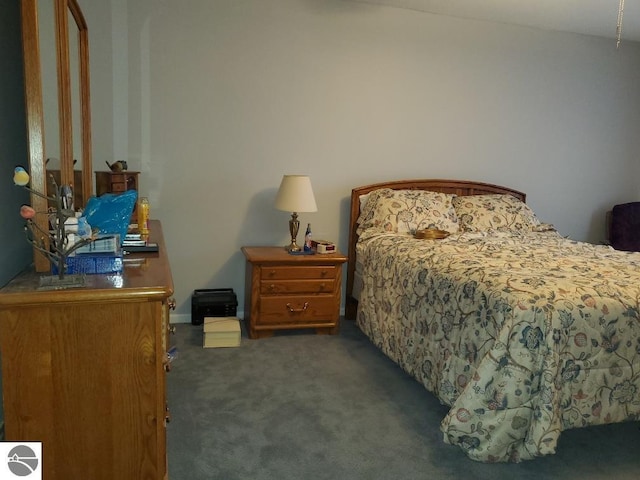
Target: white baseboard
(186,317)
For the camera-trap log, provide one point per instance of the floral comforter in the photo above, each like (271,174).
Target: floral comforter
(522,335)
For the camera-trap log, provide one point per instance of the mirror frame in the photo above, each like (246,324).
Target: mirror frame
(34,106)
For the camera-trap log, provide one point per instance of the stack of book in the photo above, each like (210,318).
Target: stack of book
(221,332)
(136,242)
(101,256)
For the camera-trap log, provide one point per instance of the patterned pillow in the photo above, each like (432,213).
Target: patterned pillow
(405,211)
(502,213)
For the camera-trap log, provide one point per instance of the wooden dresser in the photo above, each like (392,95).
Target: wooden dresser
(83,370)
(284,291)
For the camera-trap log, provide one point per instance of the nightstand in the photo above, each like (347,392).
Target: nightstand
(284,291)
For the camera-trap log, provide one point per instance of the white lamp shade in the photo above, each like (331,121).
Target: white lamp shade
(295,194)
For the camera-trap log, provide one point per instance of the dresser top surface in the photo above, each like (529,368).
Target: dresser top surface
(145,275)
(281,256)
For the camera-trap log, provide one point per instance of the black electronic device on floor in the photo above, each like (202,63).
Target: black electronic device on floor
(212,302)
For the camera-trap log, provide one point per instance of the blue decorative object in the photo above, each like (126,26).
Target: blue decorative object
(93,264)
(110,213)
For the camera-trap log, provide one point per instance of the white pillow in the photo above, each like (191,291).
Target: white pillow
(405,211)
(502,213)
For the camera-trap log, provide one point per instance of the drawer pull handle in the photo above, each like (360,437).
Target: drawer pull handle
(322,285)
(297,310)
(272,287)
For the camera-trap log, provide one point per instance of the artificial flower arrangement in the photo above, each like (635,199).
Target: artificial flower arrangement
(59,245)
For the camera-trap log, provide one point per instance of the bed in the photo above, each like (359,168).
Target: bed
(521,332)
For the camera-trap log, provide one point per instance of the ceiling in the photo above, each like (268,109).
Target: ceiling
(589,17)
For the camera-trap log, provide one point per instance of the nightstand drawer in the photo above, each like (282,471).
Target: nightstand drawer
(296,286)
(297,309)
(293,273)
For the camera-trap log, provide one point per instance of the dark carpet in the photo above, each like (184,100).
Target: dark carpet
(304,406)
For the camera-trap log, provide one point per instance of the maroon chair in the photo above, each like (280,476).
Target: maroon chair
(624,227)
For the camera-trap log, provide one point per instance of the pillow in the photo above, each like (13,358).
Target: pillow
(405,211)
(502,213)
(362,199)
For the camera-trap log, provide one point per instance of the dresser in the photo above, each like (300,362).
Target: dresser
(83,369)
(284,291)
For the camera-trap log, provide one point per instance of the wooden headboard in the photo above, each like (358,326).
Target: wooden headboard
(458,187)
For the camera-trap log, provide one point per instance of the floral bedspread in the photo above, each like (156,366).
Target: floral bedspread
(522,335)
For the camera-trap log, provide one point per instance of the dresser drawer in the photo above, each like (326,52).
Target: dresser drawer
(118,187)
(302,272)
(297,309)
(279,287)
(118,178)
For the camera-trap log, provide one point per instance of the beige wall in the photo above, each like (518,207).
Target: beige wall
(214,100)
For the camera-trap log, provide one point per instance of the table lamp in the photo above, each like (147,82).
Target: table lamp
(295,195)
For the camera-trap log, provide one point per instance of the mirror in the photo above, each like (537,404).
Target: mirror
(81,160)
(76,126)
(56,67)
(49,74)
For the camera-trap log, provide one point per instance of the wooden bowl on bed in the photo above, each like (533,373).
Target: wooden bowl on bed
(431,234)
